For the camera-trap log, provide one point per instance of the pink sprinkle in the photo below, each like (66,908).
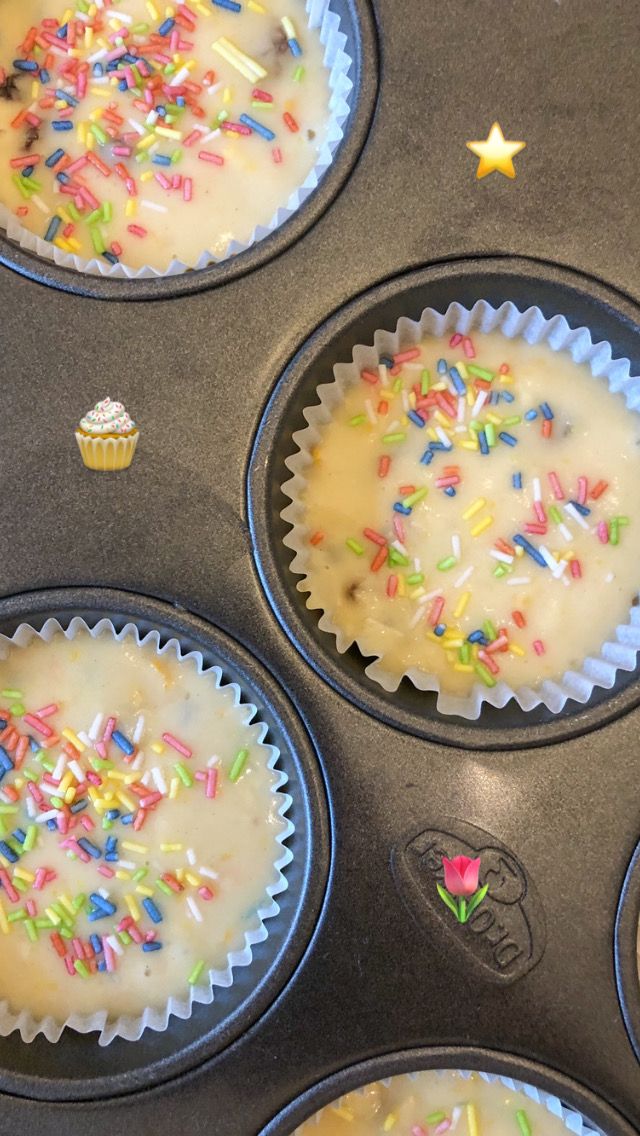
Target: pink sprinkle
(109,957)
(406,356)
(503,369)
(488,662)
(444,1126)
(163,181)
(469,349)
(235,128)
(209,156)
(200,775)
(108,730)
(79,164)
(150,937)
(558,491)
(32,909)
(12,894)
(177,745)
(436,611)
(576,569)
(150,801)
(582,490)
(539,511)
(535,527)
(603,532)
(176,181)
(95,778)
(191,138)
(212,783)
(47,711)
(34,791)
(68,962)
(277,155)
(445,482)
(122,151)
(78,947)
(538,646)
(398,528)
(497,644)
(116,248)
(418,1130)
(204,892)
(455,339)
(187,189)
(63,823)
(261,96)
(106,871)
(136,230)
(87,822)
(41,876)
(136,934)
(392,586)
(40,727)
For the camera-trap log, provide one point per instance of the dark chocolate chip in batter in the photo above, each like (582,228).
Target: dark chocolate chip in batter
(351,591)
(9,87)
(33,135)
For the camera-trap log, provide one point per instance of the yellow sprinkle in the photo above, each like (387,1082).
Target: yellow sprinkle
(168,847)
(70,795)
(88,37)
(101,93)
(90,141)
(146,176)
(145,143)
(145,891)
(474,508)
(127,801)
(494,419)
(173,788)
(132,904)
(254,6)
(442,419)
(226,95)
(130,210)
(470,444)
(131,846)
(472,1120)
(519,550)
(516,649)
(482,525)
(66,903)
(289,29)
(5,926)
(157,747)
(23,874)
(192,879)
(439,386)
(389,1122)
(402,591)
(168,132)
(116,775)
(5,863)
(66,781)
(464,668)
(417,592)
(462,370)
(152,10)
(179,874)
(461,604)
(53,916)
(454,642)
(122,874)
(242,63)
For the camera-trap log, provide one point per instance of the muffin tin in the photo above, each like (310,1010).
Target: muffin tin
(215,368)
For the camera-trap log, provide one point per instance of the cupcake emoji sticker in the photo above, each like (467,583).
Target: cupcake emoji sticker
(107,436)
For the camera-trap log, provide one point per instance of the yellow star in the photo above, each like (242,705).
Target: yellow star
(495,153)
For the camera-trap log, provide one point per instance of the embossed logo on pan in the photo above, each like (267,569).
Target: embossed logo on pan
(505,937)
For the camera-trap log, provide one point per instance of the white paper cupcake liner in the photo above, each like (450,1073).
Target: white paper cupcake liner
(574,1121)
(132,1028)
(618,653)
(337,63)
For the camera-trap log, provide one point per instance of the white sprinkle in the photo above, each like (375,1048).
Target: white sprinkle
(96,727)
(537,489)
(114,943)
(43,817)
(371,414)
(158,779)
(393,427)
(104,892)
(419,614)
(77,771)
(180,77)
(139,760)
(444,438)
(382,372)
(214,89)
(58,769)
(32,808)
(128,865)
(610,576)
(97,55)
(211,135)
(502,556)
(406,405)
(560,568)
(151,118)
(39,203)
(572,512)
(194,909)
(515,581)
(191,856)
(84,738)
(478,404)
(139,727)
(399,547)
(208,872)
(456,547)
(118,15)
(52,790)
(213,760)
(144,780)
(462,406)
(150,204)
(549,560)
(136,126)
(566,533)
(416,563)
(456,1113)
(464,577)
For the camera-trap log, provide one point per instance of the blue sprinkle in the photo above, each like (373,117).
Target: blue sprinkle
(427,457)
(52,825)
(482,439)
(263,131)
(27,171)
(294,47)
(180,101)
(102,965)
(98,70)
(508,438)
(122,85)
(166,27)
(153,946)
(400,508)
(112,814)
(127,818)
(161,160)
(122,743)
(386,361)
(35,748)
(90,848)
(54,225)
(450,491)
(44,76)
(546,410)
(8,852)
(516,481)
(111,843)
(3,723)
(111,257)
(439,446)
(25,65)
(63,178)
(20,835)
(96,943)
(531,550)
(62,32)
(530,415)
(162,111)
(442,366)
(416,419)
(78,806)
(5,761)
(67,98)
(581,508)
(152,911)
(62,124)
(508,396)
(54,158)
(458,381)
(440,629)
(477,637)
(230,5)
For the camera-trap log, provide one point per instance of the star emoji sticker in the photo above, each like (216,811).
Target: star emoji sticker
(495,153)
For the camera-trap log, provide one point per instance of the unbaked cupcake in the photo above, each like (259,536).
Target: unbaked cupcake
(464,509)
(107,436)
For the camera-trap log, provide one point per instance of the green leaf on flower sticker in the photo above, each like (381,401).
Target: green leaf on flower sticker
(476,900)
(446,898)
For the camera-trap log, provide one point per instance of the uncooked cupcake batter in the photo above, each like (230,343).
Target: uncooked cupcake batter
(138,826)
(471,510)
(139,131)
(431,1104)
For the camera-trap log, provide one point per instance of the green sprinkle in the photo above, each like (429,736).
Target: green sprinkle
(399,436)
(46,764)
(29,927)
(555,515)
(489,629)
(79,902)
(139,875)
(622,520)
(446,564)
(43,923)
(97,241)
(20,885)
(99,133)
(5,810)
(195,973)
(16,916)
(15,694)
(500,570)
(355,546)
(22,184)
(65,932)
(94,217)
(523,1122)
(18,709)
(106,824)
(176,157)
(81,968)
(480,373)
(238,765)
(485,674)
(164,887)
(124,938)
(436,1117)
(413,498)
(464,652)
(73,212)
(475,425)
(183,774)
(396,557)
(490,434)
(31,775)
(416,578)
(614,533)
(514,420)
(57,802)
(425,382)
(298,75)
(358,420)
(98,764)
(107,211)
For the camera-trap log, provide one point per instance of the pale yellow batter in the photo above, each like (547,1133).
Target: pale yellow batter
(445,565)
(219,849)
(435,1102)
(239,183)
